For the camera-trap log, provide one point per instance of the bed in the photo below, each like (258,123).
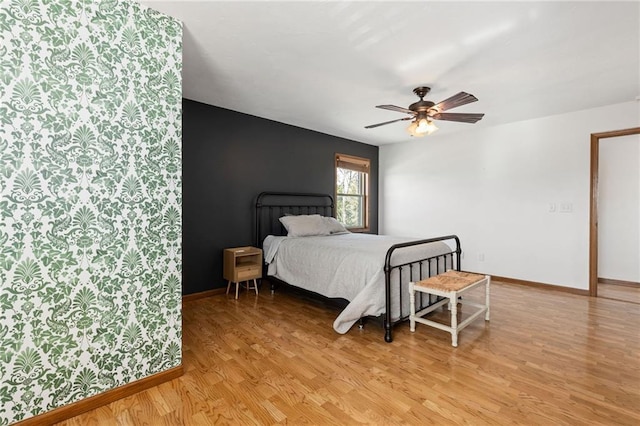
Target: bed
(370,273)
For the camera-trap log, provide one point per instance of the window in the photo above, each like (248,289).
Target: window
(352,192)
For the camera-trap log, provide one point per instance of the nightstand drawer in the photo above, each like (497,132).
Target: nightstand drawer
(249,273)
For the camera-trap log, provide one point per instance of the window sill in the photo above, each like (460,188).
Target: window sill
(358,230)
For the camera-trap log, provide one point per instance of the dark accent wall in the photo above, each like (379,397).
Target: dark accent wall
(228,159)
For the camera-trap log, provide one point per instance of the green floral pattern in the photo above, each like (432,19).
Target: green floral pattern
(90,199)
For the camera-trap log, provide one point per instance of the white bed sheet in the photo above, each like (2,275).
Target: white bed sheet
(348,266)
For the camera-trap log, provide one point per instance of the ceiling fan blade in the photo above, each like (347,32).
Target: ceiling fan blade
(387,122)
(455,101)
(397,109)
(461,117)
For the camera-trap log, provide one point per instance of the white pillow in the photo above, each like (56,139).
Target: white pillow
(333,226)
(304,225)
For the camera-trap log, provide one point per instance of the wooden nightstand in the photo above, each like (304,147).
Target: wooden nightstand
(242,264)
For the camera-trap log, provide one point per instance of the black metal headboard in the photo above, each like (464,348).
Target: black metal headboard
(271,206)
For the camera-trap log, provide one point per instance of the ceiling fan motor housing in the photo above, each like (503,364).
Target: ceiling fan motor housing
(421,105)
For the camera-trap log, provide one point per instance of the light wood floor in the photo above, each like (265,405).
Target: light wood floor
(546,358)
(620,292)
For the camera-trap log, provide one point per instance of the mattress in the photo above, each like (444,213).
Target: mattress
(348,266)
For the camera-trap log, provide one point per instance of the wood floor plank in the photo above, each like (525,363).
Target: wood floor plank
(628,293)
(546,357)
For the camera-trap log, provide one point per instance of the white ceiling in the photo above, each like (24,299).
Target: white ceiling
(324,65)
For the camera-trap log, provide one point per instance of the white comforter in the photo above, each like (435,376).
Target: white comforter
(348,266)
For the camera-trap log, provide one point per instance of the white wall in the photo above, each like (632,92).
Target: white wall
(495,187)
(619,209)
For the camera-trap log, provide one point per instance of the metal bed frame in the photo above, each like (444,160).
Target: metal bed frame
(270,206)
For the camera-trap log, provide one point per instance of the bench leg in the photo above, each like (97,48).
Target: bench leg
(412,307)
(487,291)
(454,319)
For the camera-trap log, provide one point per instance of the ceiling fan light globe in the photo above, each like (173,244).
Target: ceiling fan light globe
(423,126)
(412,128)
(431,127)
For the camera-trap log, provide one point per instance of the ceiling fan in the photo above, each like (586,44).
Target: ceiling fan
(424,112)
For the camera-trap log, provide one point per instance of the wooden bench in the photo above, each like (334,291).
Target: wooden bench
(449,285)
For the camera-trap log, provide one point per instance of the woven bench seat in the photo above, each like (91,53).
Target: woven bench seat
(449,285)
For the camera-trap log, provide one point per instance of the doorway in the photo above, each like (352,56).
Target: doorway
(593,228)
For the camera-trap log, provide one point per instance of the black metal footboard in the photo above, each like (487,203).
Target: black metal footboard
(397,275)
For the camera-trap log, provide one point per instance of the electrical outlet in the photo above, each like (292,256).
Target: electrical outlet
(552,207)
(480,257)
(566,207)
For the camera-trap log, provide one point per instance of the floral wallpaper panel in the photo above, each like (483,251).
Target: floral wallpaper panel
(90,199)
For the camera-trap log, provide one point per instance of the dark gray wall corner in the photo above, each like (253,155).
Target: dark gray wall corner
(228,159)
